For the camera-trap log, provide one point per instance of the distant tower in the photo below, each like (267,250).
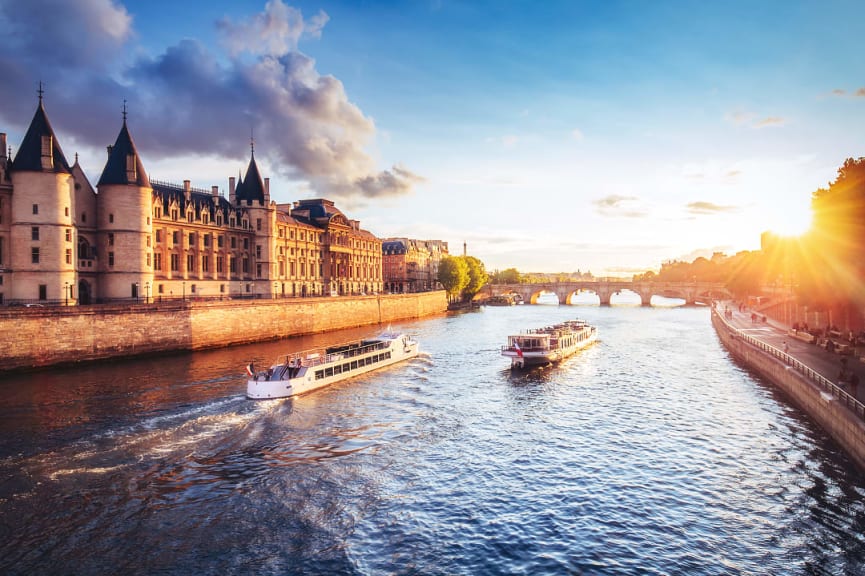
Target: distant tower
(464,249)
(125,224)
(252,194)
(41,230)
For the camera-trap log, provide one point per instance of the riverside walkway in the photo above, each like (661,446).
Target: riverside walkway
(776,335)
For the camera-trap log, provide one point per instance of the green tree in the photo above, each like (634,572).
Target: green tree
(507,276)
(453,275)
(477,277)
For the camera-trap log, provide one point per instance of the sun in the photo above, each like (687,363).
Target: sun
(791,221)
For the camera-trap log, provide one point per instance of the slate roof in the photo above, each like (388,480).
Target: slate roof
(115,169)
(198,199)
(252,187)
(29,156)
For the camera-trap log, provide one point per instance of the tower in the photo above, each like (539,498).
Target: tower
(253,195)
(125,221)
(42,235)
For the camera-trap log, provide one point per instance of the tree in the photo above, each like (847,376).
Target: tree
(508,276)
(453,275)
(477,277)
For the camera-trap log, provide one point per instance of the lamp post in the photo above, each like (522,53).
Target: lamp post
(184,290)
(138,292)
(147,292)
(275,289)
(66,292)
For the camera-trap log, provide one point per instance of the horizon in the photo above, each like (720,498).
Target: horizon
(565,136)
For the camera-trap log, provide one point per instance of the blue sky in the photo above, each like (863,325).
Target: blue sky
(548,136)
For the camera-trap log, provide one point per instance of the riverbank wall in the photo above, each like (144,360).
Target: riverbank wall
(38,337)
(836,411)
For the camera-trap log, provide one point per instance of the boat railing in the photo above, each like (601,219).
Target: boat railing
(318,356)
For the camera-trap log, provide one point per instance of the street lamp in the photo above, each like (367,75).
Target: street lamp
(184,290)
(275,289)
(147,292)
(66,292)
(137,292)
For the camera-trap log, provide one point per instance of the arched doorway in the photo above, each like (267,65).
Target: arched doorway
(85,296)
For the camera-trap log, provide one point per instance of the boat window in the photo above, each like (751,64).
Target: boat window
(319,374)
(387,354)
(346,367)
(337,369)
(328,371)
(354,364)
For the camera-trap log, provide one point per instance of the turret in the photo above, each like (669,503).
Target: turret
(42,229)
(125,210)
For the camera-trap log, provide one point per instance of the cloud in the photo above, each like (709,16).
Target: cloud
(770,121)
(750,120)
(577,134)
(841,93)
(702,207)
(616,206)
(191,100)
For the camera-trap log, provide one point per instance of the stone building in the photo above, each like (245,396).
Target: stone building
(411,265)
(133,238)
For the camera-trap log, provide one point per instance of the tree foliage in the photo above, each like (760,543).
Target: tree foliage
(453,275)
(477,277)
(507,276)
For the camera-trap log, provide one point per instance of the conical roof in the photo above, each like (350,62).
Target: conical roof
(252,187)
(115,171)
(29,156)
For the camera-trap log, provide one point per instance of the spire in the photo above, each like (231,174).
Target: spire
(40,151)
(124,165)
(251,187)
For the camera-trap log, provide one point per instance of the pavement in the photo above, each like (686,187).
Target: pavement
(775,333)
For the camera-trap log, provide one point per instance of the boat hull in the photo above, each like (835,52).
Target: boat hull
(524,358)
(282,381)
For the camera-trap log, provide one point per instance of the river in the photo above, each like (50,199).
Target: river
(651,452)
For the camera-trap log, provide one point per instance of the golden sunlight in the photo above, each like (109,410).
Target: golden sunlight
(791,220)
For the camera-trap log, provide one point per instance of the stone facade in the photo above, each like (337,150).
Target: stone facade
(411,265)
(64,242)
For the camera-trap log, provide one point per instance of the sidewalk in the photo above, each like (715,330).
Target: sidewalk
(774,333)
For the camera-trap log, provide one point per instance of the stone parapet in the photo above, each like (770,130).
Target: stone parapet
(38,337)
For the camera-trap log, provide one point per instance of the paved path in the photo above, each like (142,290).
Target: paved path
(774,333)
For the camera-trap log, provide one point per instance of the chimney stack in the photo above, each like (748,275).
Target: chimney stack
(214,190)
(2,145)
(187,190)
(266,190)
(231,189)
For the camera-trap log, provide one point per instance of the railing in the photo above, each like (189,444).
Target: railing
(819,380)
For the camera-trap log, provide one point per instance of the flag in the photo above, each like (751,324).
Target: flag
(250,369)
(518,349)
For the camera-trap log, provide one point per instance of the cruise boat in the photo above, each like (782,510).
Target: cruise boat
(549,344)
(302,372)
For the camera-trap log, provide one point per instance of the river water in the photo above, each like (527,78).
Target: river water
(651,452)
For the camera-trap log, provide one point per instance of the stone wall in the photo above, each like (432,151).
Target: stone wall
(824,408)
(35,337)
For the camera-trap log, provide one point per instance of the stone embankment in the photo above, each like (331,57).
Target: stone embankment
(836,411)
(37,337)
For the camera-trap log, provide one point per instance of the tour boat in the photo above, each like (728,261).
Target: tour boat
(549,344)
(301,372)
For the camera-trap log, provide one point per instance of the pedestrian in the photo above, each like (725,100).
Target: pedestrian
(786,347)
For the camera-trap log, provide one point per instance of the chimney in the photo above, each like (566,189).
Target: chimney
(266,190)
(214,190)
(2,146)
(187,189)
(231,189)
(110,148)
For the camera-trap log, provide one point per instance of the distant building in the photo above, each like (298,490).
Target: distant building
(411,265)
(63,242)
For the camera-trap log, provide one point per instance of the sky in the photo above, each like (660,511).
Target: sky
(600,136)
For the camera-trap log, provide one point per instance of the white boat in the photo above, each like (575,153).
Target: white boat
(549,344)
(309,370)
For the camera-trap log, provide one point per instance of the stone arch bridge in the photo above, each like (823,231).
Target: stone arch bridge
(691,292)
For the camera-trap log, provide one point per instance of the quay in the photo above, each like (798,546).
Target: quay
(805,372)
(49,336)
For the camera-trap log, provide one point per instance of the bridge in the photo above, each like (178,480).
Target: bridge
(690,292)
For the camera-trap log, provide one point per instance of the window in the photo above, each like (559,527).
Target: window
(258,224)
(158,236)
(111,238)
(191,239)
(34,255)
(34,233)
(69,255)
(36,208)
(157,211)
(219,219)
(258,270)
(175,237)
(246,243)
(220,264)
(148,259)
(174,214)
(190,262)
(245,265)
(220,241)
(258,251)
(233,242)
(111,218)
(84,216)
(157,261)
(43,292)
(69,234)
(189,216)
(111,258)
(207,240)
(205,264)
(66,211)
(148,240)
(175,263)
(232,265)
